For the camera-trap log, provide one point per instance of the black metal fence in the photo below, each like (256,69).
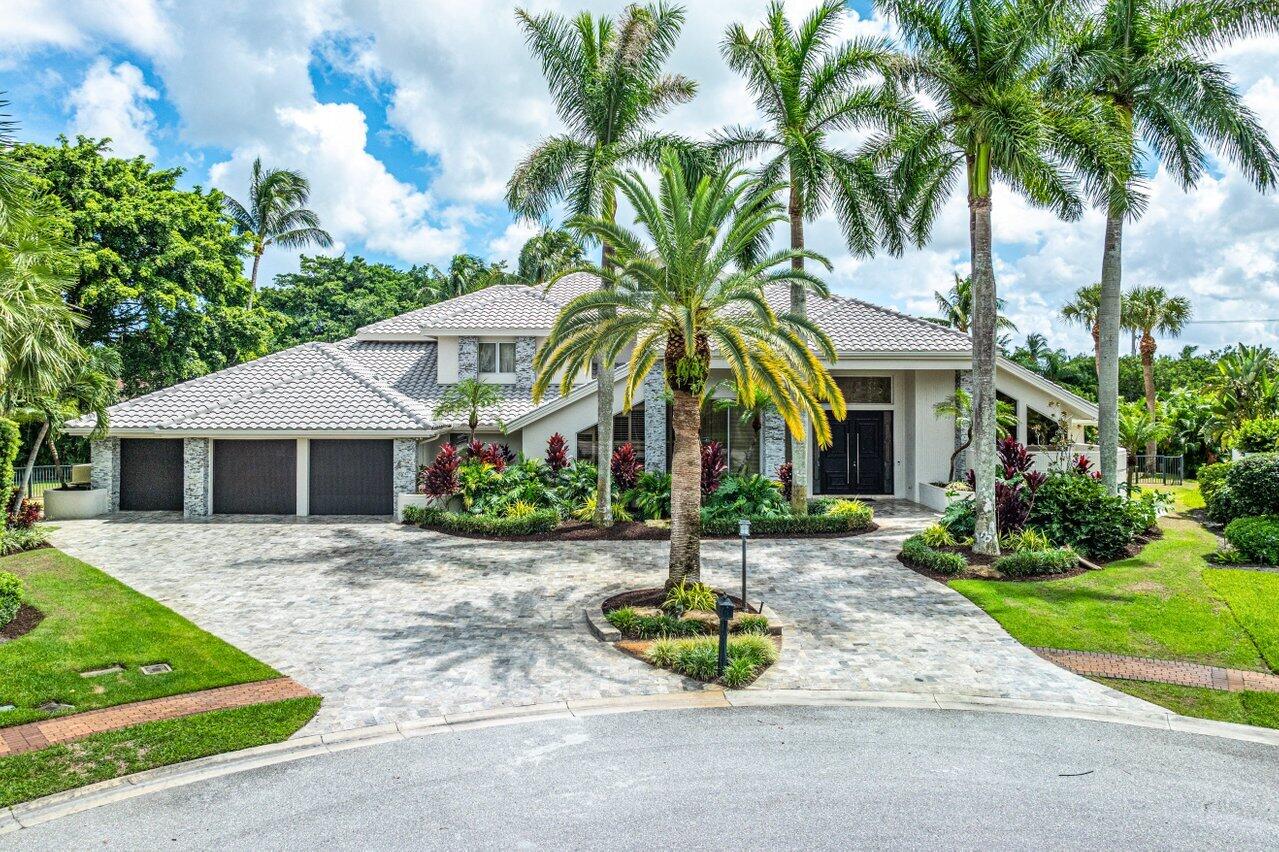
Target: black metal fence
(1166,470)
(43,477)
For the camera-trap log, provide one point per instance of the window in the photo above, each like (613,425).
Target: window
(497,357)
(627,428)
(866,389)
(740,440)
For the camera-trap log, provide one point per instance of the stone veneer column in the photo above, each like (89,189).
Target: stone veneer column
(655,420)
(404,466)
(525,349)
(468,357)
(772,435)
(104,454)
(195,477)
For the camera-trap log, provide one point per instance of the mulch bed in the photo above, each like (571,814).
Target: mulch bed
(630,531)
(24,622)
(655,597)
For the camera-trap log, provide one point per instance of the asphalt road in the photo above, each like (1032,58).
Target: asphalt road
(726,779)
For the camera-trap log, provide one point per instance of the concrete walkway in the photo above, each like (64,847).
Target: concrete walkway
(392,623)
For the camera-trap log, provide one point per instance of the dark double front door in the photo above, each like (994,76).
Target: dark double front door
(860,457)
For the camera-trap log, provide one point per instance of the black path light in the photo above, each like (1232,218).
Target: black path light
(744,530)
(724,609)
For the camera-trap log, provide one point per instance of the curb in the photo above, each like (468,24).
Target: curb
(39,811)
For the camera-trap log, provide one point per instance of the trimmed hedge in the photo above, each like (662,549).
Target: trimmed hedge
(922,556)
(794,524)
(543,520)
(1035,563)
(1256,538)
(1212,478)
(9,440)
(10,597)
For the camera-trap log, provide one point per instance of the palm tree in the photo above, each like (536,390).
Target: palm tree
(1149,310)
(808,90)
(276,215)
(1139,428)
(548,254)
(980,64)
(608,86)
(1151,60)
(684,293)
(466,274)
(1085,310)
(956,307)
(468,397)
(959,407)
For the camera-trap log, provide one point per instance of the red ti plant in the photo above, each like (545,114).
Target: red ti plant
(439,479)
(786,476)
(496,455)
(626,467)
(556,453)
(714,466)
(1015,487)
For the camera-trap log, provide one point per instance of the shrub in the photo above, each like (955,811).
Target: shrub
(25,515)
(1257,436)
(663,653)
(714,466)
(746,496)
(439,479)
(1015,486)
(625,619)
(760,650)
(690,596)
(752,623)
(937,536)
(1256,538)
(1035,563)
(1077,511)
(1251,489)
(520,509)
(784,525)
(699,658)
(496,455)
(576,482)
(1029,540)
(540,521)
(651,495)
(786,476)
(18,540)
(9,440)
(1212,478)
(919,554)
(556,453)
(626,467)
(10,597)
(960,518)
(738,672)
(854,511)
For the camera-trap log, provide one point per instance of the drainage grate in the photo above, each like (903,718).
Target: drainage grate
(157,668)
(115,669)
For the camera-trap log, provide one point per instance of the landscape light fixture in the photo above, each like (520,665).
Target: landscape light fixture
(744,530)
(724,609)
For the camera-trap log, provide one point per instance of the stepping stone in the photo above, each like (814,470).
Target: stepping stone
(157,668)
(116,669)
(55,707)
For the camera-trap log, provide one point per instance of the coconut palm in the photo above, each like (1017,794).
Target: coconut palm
(1085,310)
(1149,310)
(468,397)
(809,89)
(607,83)
(1151,59)
(548,254)
(275,214)
(980,62)
(956,307)
(679,296)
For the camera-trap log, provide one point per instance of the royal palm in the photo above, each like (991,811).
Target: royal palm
(608,86)
(1150,60)
(809,90)
(682,294)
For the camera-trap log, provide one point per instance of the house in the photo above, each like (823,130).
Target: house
(341,428)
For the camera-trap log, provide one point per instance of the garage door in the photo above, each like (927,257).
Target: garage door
(255,477)
(351,478)
(151,474)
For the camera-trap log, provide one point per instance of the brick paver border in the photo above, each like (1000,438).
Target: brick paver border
(63,729)
(1179,672)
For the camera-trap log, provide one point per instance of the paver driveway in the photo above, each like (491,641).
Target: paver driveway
(390,623)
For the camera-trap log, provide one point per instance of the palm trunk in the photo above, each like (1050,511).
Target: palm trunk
(604,425)
(686,490)
(799,307)
(986,534)
(57,461)
(1108,324)
(1148,379)
(253,276)
(16,500)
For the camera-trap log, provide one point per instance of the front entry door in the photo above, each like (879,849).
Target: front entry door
(860,455)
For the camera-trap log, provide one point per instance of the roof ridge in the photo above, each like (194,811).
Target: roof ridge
(369,379)
(917,320)
(288,378)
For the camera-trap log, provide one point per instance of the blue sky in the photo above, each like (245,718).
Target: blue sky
(408,118)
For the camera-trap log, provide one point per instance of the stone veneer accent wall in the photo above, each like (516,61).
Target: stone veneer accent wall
(655,420)
(195,477)
(404,466)
(525,349)
(105,458)
(468,357)
(773,437)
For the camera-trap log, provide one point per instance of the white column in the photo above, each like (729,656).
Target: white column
(1021,422)
(304,476)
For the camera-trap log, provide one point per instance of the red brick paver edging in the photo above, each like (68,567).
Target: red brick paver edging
(1181,673)
(37,735)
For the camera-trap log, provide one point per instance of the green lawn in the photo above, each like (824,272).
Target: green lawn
(102,756)
(93,621)
(1167,603)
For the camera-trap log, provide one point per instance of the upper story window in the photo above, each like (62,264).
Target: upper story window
(866,389)
(496,356)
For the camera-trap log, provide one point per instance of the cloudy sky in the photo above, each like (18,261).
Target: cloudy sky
(408,118)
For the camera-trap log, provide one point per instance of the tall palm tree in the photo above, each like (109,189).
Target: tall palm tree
(1085,310)
(1151,60)
(1149,310)
(809,89)
(608,86)
(980,62)
(275,214)
(683,293)
(956,307)
(548,254)
(468,397)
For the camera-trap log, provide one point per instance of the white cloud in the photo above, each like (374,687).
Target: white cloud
(30,25)
(507,245)
(112,102)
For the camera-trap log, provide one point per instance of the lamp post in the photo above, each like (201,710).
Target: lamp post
(744,530)
(724,609)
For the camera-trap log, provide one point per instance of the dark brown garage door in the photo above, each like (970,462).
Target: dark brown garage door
(255,477)
(151,474)
(351,477)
